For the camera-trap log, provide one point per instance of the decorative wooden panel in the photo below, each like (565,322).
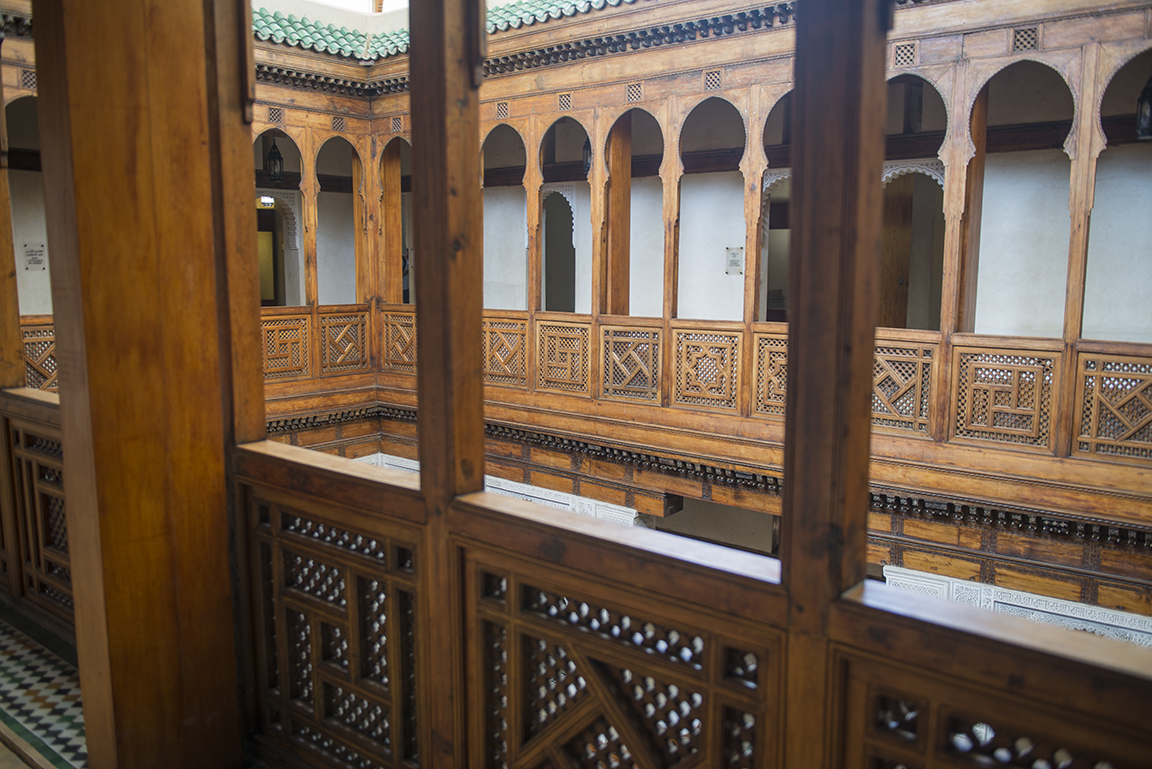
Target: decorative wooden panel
(897,715)
(335,628)
(400,342)
(901,384)
(40,356)
(572,677)
(506,351)
(707,368)
(563,356)
(286,346)
(771,373)
(1004,396)
(344,345)
(1115,406)
(40,524)
(631,363)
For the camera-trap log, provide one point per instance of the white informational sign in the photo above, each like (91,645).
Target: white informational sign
(35,256)
(734,262)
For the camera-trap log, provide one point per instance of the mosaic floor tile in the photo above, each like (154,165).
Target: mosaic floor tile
(40,700)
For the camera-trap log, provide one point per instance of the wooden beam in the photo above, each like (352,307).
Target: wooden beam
(970,223)
(392,218)
(145,406)
(13,371)
(619,217)
(447,54)
(838,150)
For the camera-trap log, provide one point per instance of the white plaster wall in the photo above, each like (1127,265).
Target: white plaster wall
(1119,281)
(505,249)
(711,221)
(33,287)
(335,248)
(582,239)
(646,249)
(294,291)
(1024,232)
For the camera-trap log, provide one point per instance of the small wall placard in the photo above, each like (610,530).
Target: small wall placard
(734,261)
(35,256)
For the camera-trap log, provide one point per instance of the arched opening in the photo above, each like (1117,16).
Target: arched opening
(635,215)
(26,190)
(775,227)
(712,229)
(912,248)
(1023,222)
(559,255)
(336,238)
(1119,277)
(396,207)
(277,220)
(505,220)
(565,159)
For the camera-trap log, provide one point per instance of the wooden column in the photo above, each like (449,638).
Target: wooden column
(141,283)
(838,152)
(391,216)
(447,54)
(671,172)
(619,219)
(360,222)
(970,224)
(309,193)
(1087,146)
(753,166)
(13,370)
(534,213)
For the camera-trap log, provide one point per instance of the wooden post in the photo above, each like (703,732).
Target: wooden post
(970,224)
(619,220)
(838,152)
(392,218)
(13,370)
(364,290)
(447,53)
(309,196)
(141,284)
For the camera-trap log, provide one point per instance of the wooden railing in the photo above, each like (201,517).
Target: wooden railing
(34,561)
(312,343)
(39,351)
(586,644)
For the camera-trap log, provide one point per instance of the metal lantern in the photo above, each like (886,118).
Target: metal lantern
(1144,113)
(275,164)
(587,155)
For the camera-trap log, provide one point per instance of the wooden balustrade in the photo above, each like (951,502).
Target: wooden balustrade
(39,351)
(589,644)
(34,562)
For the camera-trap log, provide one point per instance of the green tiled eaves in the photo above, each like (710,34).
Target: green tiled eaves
(308,34)
(516,15)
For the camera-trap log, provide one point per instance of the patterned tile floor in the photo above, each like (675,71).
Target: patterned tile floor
(40,710)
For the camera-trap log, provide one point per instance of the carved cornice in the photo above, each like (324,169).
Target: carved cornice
(15,24)
(314,81)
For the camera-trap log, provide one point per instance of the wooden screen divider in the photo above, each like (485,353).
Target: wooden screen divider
(592,645)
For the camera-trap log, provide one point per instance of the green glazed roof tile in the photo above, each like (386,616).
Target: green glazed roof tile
(317,36)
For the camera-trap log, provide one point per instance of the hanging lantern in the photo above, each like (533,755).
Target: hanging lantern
(275,164)
(587,156)
(1144,113)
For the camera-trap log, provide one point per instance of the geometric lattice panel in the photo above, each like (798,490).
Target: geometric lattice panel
(631,363)
(707,368)
(901,384)
(286,346)
(505,351)
(1114,406)
(771,373)
(1005,396)
(40,356)
(345,343)
(563,356)
(400,342)
(335,634)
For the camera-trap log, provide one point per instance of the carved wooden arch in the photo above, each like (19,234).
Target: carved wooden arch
(286,198)
(565,190)
(8,100)
(769,110)
(323,141)
(932,168)
(612,117)
(707,97)
(544,134)
(296,141)
(936,88)
(1033,56)
(1106,83)
(488,135)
